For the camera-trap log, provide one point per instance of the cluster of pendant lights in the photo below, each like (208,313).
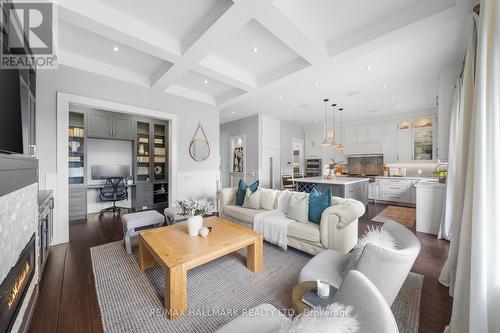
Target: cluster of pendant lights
(332,139)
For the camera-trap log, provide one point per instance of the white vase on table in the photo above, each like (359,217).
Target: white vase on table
(194,223)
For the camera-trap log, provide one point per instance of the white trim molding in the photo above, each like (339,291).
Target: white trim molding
(61,192)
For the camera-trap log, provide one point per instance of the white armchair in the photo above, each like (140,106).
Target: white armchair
(369,307)
(386,268)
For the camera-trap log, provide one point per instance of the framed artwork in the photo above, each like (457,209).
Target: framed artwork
(238,159)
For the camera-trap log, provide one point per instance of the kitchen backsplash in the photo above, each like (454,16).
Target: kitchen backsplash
(412,168)
(367,165)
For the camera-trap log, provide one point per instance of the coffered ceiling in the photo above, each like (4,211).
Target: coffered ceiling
(277,57)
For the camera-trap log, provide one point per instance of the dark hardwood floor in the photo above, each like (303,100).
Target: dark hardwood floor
(68,301)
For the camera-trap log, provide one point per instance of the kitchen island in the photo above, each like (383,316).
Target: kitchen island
(341,186)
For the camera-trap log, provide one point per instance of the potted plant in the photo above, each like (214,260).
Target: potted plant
(194,210)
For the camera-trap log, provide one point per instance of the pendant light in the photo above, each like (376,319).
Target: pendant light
(326,142)
(334,143)
(340,144)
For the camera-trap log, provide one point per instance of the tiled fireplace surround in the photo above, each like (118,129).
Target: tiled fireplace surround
(19,221)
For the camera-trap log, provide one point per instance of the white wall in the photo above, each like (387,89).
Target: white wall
(269,148)
(288,133)
(78,82)
(249,127)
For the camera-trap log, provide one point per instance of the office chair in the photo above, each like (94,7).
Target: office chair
(114,190)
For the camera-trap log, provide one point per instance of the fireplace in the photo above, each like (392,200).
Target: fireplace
(14,286)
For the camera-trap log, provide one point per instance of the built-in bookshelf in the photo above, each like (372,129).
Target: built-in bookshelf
(143,170)
(76,148)
(160,152)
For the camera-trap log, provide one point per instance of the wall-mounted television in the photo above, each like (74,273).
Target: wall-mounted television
(11,125)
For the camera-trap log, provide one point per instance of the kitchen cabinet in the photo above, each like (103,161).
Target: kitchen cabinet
(430,205)
(313,136)
(376,133)
(403,144)
(363,134)
(395,190)
(423,139)
(390,146)
(108,125)
(351,135)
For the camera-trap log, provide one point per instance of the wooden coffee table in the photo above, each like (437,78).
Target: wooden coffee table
(298,292)
(177,252)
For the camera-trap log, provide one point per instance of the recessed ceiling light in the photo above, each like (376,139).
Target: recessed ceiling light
(369,67)
(315,121)
(255,50)
(232,112)
(288,110)
(397,106)
(116,48)
(206,81)
(303,116)
(280,97)
(393,98)
(384,85)
(252,106)
(316,84)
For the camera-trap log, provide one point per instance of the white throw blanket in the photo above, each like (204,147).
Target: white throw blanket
(273,226)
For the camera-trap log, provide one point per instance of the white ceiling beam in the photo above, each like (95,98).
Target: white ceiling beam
(276,22)
(228,24)
(418,11)
(101,68)
(103,20)
(191,94)
(347,45)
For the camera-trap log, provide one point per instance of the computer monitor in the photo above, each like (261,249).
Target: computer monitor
(105,171)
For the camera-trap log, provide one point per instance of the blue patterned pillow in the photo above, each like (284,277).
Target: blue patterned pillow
(242,187)
(318,202)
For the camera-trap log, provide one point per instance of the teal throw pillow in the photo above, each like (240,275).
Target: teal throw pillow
(318,202)
(242,187)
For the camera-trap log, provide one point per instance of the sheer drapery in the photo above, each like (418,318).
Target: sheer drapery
(473,267)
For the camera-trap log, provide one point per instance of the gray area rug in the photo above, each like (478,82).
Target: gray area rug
(132,301)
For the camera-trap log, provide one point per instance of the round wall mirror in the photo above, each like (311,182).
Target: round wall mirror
(199,150)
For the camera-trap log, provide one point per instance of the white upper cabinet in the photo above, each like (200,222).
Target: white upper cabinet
(391,142)
(404,141)
(313,137)
(363,134)
(351,135)
(376,133)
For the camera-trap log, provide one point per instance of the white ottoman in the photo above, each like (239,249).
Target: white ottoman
(132,222)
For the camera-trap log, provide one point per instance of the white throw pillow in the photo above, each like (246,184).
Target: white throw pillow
(334,318)
(298,207)
(252,199)
(283,200)
(267,198)
(375,235)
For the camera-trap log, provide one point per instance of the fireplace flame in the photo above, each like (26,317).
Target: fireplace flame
(18,284)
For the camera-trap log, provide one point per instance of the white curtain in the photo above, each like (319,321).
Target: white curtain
(473,267)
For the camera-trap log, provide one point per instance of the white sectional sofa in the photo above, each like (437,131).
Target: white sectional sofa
(338,229)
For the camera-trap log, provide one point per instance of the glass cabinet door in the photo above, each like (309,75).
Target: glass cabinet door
(76,148)
(143,152)
(160,151)
(423,139)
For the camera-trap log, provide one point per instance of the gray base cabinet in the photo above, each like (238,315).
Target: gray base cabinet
(77,203)
(143,196)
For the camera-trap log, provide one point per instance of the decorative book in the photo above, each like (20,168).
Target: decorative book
(312,299)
